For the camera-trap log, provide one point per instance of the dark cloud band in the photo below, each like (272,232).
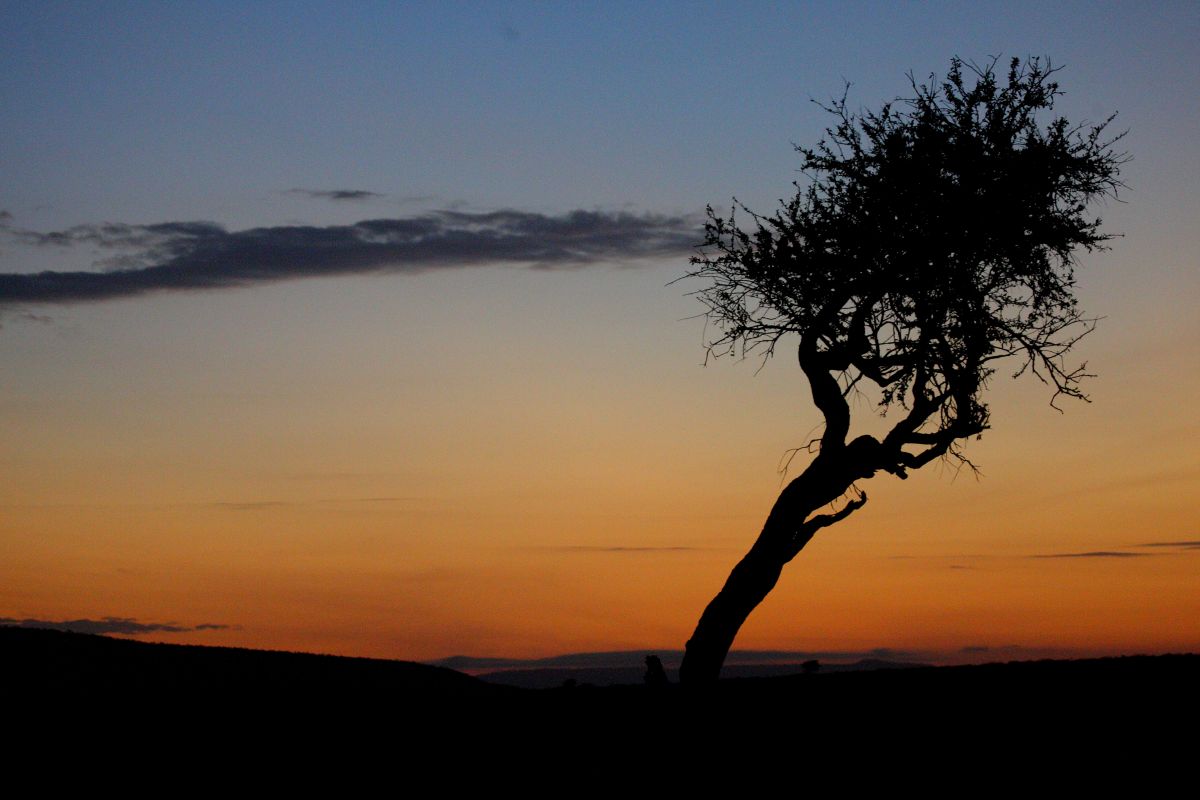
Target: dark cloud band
(201,255)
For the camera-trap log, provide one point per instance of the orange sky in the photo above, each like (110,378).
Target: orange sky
(439,486)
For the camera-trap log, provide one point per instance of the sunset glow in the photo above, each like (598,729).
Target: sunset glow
(394,446)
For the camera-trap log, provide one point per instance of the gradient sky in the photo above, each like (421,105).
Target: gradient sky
(428,447)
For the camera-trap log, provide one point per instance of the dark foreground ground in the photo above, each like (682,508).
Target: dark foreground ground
(1108,709)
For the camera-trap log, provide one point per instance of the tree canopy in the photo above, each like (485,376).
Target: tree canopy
(932,238)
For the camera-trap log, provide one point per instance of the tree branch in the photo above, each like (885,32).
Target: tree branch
(826,394)
(814,524)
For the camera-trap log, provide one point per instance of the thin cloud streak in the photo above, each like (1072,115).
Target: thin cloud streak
(258,505)
(582,548)
(1095,554)
(337,195)
(180,256)
(119,625)
(264,505)
(983,648)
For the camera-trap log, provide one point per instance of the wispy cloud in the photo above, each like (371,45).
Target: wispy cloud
(337,195)
(975,649)
(583,548)
(263,505)
(257,505)
(1189,544)
(1094,554)
(41,319)
(178,256)
(27,316)
(121,625)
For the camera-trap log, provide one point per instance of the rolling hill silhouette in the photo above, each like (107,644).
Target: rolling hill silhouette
(115,692)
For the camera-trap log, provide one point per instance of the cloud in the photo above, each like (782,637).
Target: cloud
(583,548)
(257,505)
(178,256)
(336,194)
(1094,554)
(1184,545)
(120,625)
(42,319)
(264,505)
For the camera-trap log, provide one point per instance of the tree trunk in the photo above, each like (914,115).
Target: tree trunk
(787,529)
(751,580)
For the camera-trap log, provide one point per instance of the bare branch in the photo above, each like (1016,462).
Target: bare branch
(814,524)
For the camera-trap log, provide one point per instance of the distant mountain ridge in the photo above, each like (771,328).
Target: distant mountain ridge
(64,665)
(672,658)
(559,674)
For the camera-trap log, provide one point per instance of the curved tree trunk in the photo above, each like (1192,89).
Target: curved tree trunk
(751,580)
(788,528)
(792,521)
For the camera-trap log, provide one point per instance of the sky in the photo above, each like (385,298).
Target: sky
(368,339)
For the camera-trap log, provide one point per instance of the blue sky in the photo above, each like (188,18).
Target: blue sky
(151,111)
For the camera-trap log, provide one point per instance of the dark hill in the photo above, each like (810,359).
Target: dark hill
(64,664)
(53,676)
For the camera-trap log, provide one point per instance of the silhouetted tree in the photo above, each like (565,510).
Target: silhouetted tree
(932,239)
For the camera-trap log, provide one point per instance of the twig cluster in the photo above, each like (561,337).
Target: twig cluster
(932,238)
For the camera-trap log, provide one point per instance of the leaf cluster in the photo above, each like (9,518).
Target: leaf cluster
(931,238)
